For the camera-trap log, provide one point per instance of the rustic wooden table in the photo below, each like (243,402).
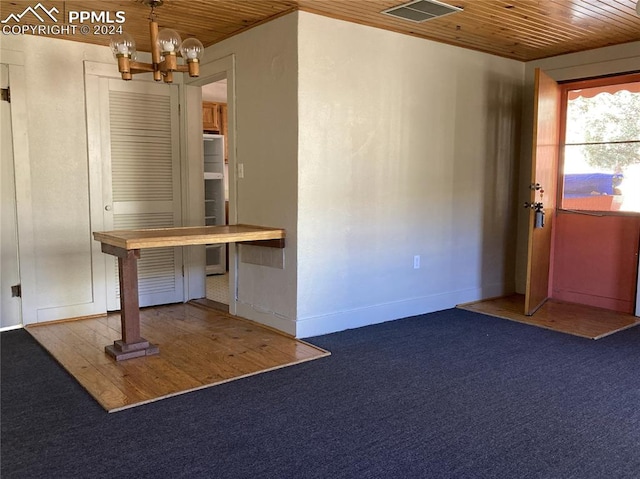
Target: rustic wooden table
(126,246)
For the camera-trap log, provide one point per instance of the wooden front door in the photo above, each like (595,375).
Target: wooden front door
(546,136)
(597,228)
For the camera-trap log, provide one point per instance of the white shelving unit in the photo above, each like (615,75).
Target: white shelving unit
(214,198)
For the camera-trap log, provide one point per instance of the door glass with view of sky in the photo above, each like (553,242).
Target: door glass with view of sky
(602,149)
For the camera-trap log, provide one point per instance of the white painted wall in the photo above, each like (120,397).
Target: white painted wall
(266,70)
(592,63)
(215,92)
(406,147)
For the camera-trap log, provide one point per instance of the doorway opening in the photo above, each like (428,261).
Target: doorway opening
(216,84)
(582,266)
(216,187)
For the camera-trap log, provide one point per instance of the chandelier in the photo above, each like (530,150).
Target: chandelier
(166,46)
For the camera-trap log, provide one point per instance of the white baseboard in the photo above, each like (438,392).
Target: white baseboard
(11,328)
(380,313)
(267,318)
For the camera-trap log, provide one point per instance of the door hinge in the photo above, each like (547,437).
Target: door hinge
(6,94)
(16,291)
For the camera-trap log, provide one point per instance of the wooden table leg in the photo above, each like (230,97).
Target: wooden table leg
(132,345)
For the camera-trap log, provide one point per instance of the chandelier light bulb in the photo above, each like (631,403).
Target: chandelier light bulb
(123,45)
(168,40)
(168,47)
(191,49)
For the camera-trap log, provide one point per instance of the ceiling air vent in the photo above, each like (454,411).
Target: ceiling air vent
(421,10)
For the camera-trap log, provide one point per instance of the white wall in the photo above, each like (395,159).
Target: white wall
(266,71)
(57,171)
(215,92)
(592,63)
(406,147)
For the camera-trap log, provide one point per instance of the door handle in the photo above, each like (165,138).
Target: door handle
(538,218)
(107,208)
(534,206)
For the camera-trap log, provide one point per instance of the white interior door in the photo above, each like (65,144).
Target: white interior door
(141,180)
(10,314)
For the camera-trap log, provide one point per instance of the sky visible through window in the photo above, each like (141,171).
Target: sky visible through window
(602,149)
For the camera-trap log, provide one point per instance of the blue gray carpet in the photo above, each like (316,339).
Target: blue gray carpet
(452,394)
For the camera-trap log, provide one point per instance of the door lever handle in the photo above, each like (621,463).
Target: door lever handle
(534,206)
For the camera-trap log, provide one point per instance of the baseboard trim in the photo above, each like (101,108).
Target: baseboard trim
(380,313)
(266,318)
(11,328)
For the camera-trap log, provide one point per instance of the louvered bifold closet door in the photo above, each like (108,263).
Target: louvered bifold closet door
(145,181)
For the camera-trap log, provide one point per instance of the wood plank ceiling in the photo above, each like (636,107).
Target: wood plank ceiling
(521,30)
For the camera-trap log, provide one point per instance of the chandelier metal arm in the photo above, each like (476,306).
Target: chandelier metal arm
(140,67)
(155,50)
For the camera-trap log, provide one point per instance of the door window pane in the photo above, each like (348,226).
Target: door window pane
(602,149)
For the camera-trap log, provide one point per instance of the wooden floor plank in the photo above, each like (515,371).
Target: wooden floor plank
(90,341)
(64,347)
(159,375)
(570,318)
(198,366)
(100,373)
(198,348)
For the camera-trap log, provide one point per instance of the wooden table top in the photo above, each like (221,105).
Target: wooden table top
(186,236)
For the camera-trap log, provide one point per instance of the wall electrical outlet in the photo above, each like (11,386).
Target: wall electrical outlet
(416,262)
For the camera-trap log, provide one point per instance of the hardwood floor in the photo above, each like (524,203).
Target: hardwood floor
(570,318)
(199,348)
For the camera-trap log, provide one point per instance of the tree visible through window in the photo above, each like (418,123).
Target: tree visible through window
(602,146)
